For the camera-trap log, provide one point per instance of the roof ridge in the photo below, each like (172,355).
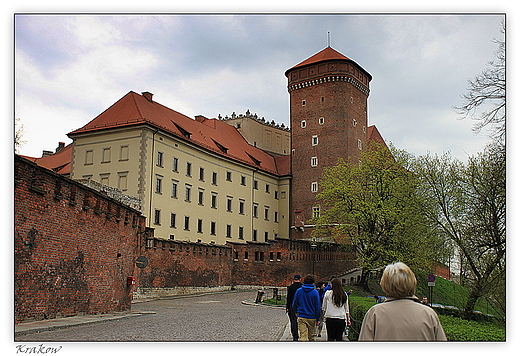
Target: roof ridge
(135,103)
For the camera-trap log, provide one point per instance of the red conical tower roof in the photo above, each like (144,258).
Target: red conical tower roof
(324,55)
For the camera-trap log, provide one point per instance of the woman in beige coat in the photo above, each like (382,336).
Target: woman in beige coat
(402,317)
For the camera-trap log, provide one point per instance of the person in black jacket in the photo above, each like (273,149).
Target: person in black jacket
(288,306)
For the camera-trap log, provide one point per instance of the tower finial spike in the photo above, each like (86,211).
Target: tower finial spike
(328,39)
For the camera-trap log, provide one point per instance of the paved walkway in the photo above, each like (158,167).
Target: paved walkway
(59,323)
(50,324)
(286,334)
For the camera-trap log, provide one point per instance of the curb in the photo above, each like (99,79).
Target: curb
(261,304)
(61,323)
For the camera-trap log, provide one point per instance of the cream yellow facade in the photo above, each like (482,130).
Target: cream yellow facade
(188,193)
(268,136)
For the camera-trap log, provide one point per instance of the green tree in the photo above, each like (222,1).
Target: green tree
(373,206)
(467,205)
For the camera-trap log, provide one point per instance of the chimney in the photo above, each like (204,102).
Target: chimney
(60,146)
(46,153)
(147,95)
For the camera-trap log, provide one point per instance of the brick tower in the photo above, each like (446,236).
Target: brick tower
(328,110)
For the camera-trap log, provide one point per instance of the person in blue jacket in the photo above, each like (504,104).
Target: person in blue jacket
(306,304)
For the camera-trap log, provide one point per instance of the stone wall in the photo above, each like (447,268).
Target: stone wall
(74,247)
(178,267)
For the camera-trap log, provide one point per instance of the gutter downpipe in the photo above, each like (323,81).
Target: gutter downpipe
(152,171)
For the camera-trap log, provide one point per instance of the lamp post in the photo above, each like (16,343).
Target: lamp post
(313,247)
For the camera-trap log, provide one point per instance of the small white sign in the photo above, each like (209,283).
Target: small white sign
(431,284)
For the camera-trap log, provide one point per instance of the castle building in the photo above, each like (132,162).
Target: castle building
(328,112)
(198,180)
(233,179)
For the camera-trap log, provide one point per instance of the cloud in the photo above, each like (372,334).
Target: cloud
(217,64)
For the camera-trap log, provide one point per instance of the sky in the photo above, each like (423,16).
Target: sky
(69,68)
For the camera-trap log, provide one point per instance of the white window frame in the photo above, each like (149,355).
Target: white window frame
(314,161)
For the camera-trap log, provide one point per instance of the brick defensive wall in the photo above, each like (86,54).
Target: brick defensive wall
(74,247)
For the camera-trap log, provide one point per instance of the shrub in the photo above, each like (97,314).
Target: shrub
(358,307)
(457,329)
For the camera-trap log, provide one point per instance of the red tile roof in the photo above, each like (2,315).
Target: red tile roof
(326,54)
(211,134)
(58,162)
(374,135)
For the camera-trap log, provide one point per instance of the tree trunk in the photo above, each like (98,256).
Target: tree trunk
(363,281)
(472,301)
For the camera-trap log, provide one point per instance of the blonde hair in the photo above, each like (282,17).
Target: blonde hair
(398,281)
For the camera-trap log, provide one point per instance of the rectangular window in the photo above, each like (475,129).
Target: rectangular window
(201,174)
(255,235)
(275,216)
(214,200)
(315,140)
(188,169)
(187,223)
(276,194)
(241,232)
(303,124)
(278,256)
(314,187)
(122,180)
(228,230)
(228,176)
(123,153)
(271,256)
(255,184)
(266,236)
(89,157)
(105,155)
(255,210)
(201,196)
(229,204)
(188,193)
(283,195)
(173,220)
(315,211)
(160,156)
(214,178)
(158,184)
(314,161)
(199,226)
(241,207)
(175,186)
(175,165)
(360,144)
(242,180)
(259,256)
(267,188)
(157,217)
(246,255)
(266,213)
(213,228)
(103,178)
